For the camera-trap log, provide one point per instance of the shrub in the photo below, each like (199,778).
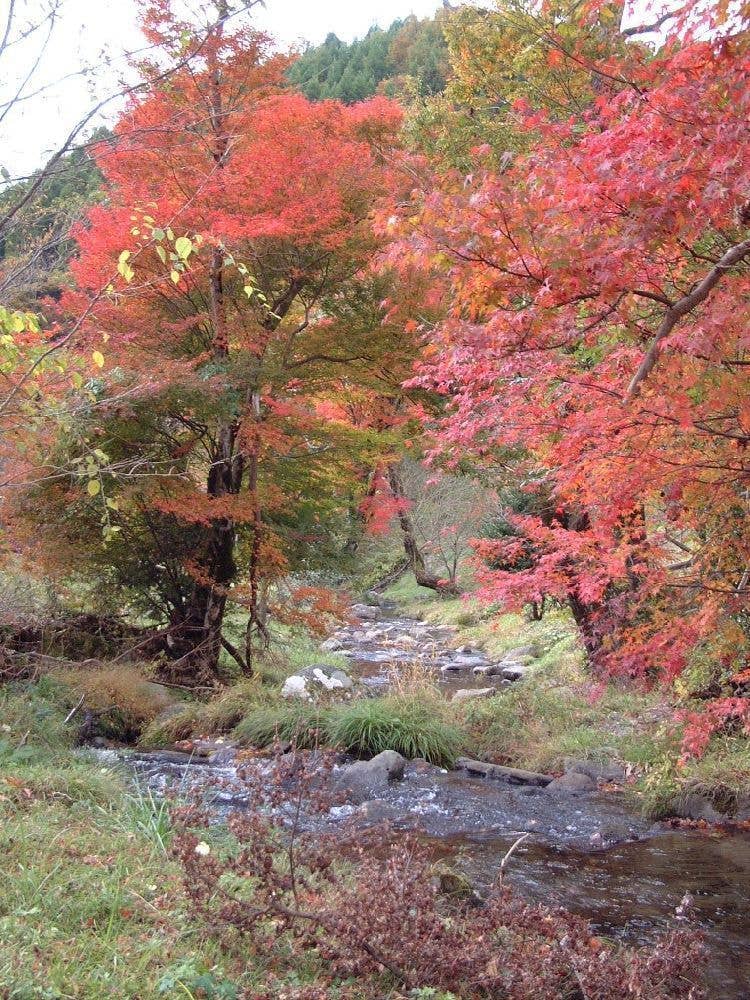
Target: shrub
(412,726)
(382,921)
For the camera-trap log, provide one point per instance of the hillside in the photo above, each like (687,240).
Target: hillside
(409,55)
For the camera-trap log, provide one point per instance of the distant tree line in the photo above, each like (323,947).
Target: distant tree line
(410,55)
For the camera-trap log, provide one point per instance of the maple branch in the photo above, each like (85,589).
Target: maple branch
(654,296)
(682,307)
(644,29)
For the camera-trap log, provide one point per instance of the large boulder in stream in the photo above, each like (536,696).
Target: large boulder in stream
(317,680)
(366,612)
(363,778)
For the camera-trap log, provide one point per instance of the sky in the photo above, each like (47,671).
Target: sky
(97,34)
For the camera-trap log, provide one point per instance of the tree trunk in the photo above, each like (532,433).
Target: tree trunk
(195,639)
(257,621)
(411,548)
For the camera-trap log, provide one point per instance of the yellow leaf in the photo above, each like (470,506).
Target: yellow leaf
(93,487)
(98,358)
(175,276)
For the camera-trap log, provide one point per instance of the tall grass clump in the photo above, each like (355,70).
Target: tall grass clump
(299,723)
(413,726)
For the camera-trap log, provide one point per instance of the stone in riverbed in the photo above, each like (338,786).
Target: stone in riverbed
(366,776)
(320,678)
(366,612)
(695,806)
(451,668)
(332,645)
(377,811)
(488,670)
(514,671)
(467,694)
(598,770)
(572,781)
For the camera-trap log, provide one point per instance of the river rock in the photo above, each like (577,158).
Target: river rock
(612,833)
(377,811)
(451,668)
(365,612)
(695,806)
(598,770)
(366,776)
(332,645)
(467,694)
(572,781)
(315,680)
(514,671)
(488,670)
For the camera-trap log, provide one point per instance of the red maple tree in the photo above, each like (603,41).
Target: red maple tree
(597,286)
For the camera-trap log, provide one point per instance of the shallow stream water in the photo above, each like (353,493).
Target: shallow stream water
(588,853)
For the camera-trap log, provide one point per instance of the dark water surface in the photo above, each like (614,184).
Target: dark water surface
(631,891)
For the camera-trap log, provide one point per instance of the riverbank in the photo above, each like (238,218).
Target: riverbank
(564,714)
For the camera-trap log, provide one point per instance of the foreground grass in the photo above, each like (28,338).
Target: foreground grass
(91,906)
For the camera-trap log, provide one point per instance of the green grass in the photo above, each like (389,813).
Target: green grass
(300,723)
(411,726)
(93,905)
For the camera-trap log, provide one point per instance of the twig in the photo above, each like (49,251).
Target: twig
(510,851)
(73,711)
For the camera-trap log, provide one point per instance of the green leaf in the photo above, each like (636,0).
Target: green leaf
(184,247)
(94,487)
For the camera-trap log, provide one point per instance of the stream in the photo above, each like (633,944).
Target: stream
(587,852)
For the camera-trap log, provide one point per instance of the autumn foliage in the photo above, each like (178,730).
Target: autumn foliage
(596,282)
(214,280)
(569,226)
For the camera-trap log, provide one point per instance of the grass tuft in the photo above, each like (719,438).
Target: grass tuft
(412,726)
(300,723)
